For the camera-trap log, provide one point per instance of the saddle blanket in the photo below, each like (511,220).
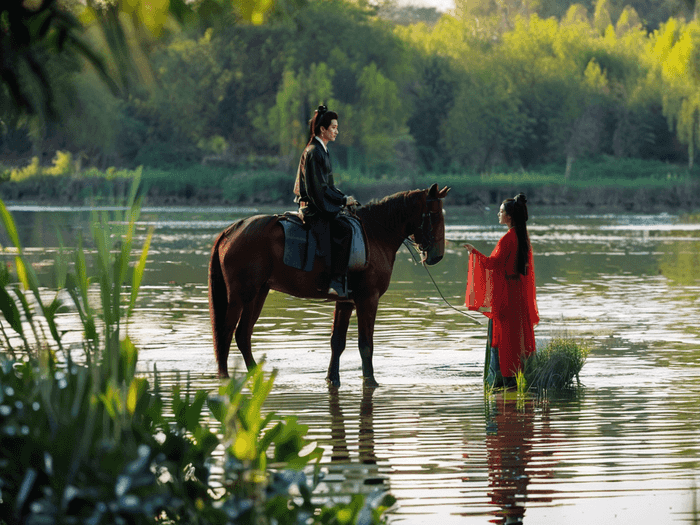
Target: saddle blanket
(300,244)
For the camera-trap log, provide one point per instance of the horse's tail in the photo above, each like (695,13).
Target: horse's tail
(218,307)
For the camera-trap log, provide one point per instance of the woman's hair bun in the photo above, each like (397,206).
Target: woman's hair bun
(520,207)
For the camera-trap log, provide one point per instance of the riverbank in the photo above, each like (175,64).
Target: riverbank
(641,196)
(605,185)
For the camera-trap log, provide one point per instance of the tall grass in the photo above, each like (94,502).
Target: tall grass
(85,439)
(555,366)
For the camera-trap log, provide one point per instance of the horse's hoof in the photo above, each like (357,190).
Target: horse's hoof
(222,375)
(370,382)
(335,383)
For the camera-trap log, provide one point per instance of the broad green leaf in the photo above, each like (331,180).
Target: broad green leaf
(244,446)
(137,388)
(193,413)
(22,273)
(10,226)
(10,311)
(138,272)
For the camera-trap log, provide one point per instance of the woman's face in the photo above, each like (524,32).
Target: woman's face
(331,132)
(503,217)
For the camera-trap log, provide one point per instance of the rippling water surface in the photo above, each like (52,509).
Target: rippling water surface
(622,448)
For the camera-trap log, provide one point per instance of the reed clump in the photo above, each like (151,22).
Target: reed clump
(556,365)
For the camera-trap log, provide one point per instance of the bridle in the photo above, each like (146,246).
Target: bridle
(427,237)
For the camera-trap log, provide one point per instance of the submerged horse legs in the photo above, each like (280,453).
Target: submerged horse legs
(366,316)
(223,344)
(341,321)
(244,331)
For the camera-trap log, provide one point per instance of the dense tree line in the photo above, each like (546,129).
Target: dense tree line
(493,84)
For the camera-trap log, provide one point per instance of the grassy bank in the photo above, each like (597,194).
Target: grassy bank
(624,184)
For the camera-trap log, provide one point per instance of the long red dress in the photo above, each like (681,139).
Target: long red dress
(500,292)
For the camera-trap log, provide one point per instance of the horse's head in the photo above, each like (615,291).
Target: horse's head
(430,235)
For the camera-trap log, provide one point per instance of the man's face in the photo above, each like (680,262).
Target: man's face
(329,134)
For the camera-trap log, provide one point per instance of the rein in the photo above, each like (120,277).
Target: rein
(410,244)
(432,208)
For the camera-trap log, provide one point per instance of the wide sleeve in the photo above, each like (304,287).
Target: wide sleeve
(320,186)
(486,278)
(479,293)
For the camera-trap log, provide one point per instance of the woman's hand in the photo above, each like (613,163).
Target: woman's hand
(469,248)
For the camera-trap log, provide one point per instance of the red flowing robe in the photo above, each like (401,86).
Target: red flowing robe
(500,292)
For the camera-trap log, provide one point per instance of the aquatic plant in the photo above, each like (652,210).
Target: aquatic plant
(556,365)
(85,439)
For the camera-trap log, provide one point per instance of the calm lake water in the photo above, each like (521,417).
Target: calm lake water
(622,448)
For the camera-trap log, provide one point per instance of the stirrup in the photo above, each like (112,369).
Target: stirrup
(338,286)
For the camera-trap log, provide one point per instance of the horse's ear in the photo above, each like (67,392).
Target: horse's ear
(443,192)
(433,191)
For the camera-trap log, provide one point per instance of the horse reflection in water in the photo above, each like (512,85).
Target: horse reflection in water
(364,472)
(247,262)
(510,436)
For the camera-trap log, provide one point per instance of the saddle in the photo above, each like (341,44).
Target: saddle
(301,245)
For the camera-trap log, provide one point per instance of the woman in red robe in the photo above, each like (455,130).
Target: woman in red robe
(502,287)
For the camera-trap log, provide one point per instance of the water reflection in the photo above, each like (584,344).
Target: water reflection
(351,466)
(340,450)
(511,434)
(625,452)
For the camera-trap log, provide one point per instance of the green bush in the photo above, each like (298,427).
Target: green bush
(265,186)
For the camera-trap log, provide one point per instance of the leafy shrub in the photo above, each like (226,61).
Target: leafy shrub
(62,164)
(76,449)
(32,170)
(268,186)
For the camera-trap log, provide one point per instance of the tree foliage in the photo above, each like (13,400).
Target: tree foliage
(492,84)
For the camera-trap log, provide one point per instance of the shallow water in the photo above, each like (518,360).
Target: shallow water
(622,448)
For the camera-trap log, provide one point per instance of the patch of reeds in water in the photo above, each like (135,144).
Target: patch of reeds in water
(555,366)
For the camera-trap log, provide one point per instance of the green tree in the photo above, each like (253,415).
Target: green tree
(190,83)
(31,35)
(296,100)
(381,118)
(629,21)
(576,14)
(434,97)
(680,73)
(601,16)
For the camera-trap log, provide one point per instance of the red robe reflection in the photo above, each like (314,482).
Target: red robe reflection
(500,292)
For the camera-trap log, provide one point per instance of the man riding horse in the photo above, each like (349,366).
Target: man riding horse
(320,201)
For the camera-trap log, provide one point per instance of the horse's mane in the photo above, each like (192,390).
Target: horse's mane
(390,213)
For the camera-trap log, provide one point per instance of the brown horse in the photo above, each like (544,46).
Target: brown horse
(246,262)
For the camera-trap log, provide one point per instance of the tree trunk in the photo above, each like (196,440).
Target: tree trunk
(569,162)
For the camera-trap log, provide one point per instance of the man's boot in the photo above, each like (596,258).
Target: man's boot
(339,285)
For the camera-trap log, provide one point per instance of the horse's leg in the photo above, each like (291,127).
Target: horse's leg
(244,332)
(341,321)
(223,341)
(224,310)
(366,316)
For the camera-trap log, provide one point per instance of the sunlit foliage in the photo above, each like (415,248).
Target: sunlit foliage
(492,85)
